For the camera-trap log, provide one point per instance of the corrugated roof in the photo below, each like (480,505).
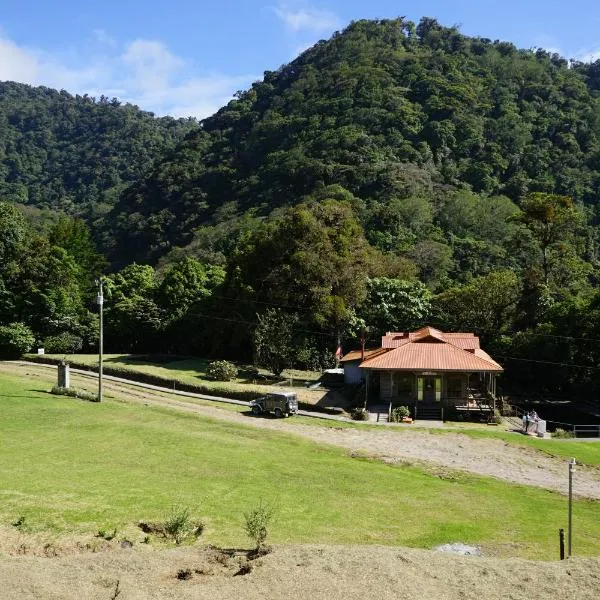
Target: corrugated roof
(356,354)
(434,356)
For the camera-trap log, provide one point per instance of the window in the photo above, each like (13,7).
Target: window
(455,386)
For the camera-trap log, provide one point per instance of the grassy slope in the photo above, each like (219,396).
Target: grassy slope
(74,466)
(193,371)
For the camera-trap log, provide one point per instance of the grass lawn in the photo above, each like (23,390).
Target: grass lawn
(72,466)
(193,371)
(190,370)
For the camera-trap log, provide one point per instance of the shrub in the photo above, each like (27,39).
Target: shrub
(497,418)
(399,413)
(74,393)
(360,414)
(179,525)
(63,343)
(563,433)
(15,339)
(257,524)
(222,370)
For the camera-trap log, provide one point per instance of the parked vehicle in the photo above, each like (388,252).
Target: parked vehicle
(281,404)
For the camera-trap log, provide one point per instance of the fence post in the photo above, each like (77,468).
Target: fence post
(561,539)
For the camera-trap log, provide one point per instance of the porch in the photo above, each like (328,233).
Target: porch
(432,395)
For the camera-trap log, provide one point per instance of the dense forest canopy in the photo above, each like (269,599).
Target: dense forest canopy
(76,153)
(394,175)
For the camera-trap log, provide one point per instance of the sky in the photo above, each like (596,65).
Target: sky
(187,58)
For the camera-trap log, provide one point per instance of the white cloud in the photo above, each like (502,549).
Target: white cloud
(143,72)
(588,55)
(314,20)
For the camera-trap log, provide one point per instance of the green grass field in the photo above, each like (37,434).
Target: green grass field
(72,466)
(194,371)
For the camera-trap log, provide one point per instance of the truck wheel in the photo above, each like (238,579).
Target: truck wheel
(256,410)
(278,413)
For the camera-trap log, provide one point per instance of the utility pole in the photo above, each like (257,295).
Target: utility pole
(571,470)
(100,300)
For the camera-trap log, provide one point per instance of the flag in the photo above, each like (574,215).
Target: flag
(338,352)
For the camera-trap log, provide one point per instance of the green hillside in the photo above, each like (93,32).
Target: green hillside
(398,115)
(76,153)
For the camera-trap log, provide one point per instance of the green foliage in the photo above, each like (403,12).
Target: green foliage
(257,521)
(63,343)
(399,413)
(74,153)
(186,282)
(179,525)
(15,339)
(360,414)
(274,338)
(562,434)
(74,393)
(396,305)
(487,305)
(222,370)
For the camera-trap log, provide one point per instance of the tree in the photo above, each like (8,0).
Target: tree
(186,282)
(486,305)
(312,255)
(396,305)
(274,339)
(15,339)
(257,522)
(553,221)
(13,230)
(73,235)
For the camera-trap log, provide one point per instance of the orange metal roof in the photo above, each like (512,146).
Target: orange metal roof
(434,356)
(356,354)
(430,349)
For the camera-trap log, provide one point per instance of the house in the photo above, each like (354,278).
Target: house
(425,368)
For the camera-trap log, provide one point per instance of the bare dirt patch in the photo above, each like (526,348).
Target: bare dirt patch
(295,572)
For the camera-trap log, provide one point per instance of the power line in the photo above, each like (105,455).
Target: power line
(561,337)
(547,362)
(254,324)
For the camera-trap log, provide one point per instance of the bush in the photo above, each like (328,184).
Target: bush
(222,370)
(257,524)
(399,413)
(15,340)
(360,414)
(63,343)
(178,525)
(497,418)
(563,433)
(74,393)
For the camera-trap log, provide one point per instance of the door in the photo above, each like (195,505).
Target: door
(432,389)
(429,389)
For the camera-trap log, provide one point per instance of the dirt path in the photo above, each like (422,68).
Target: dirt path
(486,456)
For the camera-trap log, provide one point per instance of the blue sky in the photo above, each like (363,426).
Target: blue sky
(186,57)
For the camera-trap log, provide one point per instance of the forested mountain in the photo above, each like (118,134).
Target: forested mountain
(392,112)
(75,153)
(393,176)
